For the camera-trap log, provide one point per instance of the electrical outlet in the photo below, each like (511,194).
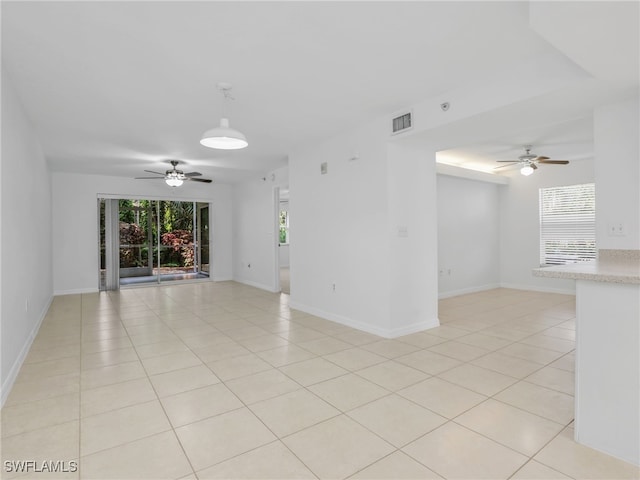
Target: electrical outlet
(333,286)
(617,229)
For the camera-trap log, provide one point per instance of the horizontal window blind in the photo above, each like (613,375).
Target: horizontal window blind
(567,224)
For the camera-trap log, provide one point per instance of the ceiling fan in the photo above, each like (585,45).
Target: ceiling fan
(529,162)
(175,177)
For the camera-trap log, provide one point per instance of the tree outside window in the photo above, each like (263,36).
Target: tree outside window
(284,227)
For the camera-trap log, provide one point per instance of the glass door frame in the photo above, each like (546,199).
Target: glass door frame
(114,246)
(198,226)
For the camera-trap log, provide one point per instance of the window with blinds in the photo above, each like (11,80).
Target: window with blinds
(567,224)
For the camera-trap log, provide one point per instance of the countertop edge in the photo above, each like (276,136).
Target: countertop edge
(557,272)
(612,266)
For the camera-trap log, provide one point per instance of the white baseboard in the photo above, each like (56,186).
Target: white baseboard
(75,291)
(365,327)
(537,288)
(381,332)
(7,385)
(463,291)
(414,328)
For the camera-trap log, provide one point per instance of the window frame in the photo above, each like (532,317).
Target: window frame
(284,225)
(567,218)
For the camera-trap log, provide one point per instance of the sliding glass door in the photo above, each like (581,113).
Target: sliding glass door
(203,239)
(136,244)
(152,241)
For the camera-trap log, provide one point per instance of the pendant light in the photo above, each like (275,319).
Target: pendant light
(224,137)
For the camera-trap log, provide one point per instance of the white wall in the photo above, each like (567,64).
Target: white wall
(617,170)
(468,236)
(413,238)
(255,229)
(607,417)
(26,275)
(369,226)
(340,234)
(254,233)
(75,223)
(520,223)
(284,255)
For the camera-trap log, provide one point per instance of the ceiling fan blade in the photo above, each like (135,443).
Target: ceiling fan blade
(149,178)
(509,161)
(157,173)
(504,166)
(538,159)
(203,180)
(533,165)
(554,162)
(192,174)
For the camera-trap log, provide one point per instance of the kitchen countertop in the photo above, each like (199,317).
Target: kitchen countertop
(612,266)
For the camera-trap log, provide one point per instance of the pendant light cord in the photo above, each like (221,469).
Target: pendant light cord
(225,88)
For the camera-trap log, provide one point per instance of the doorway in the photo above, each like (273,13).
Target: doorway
(152,241)
(284,241)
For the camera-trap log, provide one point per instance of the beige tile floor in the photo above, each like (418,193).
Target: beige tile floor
(221,380)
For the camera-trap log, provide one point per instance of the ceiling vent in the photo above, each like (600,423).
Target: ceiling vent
(401,123)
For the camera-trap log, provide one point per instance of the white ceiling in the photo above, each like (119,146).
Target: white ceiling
(118,87)
(571,140)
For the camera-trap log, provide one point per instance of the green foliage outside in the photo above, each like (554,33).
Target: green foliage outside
(180,252)
(139,218)
(284,227)
(131,238)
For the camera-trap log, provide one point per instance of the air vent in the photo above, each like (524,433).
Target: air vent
(401,123)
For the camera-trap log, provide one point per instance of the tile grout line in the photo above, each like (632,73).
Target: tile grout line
(349,371)
(139,403)
(345,413)
(245,406)
(248,408)
(80,466)
(175,434)
(532,458)
(305,387)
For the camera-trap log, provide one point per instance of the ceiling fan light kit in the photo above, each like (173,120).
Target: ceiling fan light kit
(224,137)
(173,180)
(529,162)
(526,170)
(175,177)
